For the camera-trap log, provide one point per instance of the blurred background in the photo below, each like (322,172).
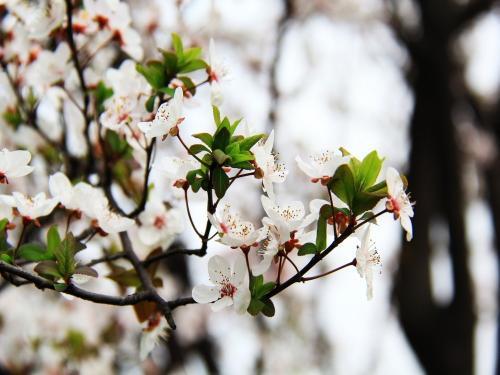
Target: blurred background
(416,80)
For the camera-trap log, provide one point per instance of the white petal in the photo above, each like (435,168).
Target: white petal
(407,226)
(394,182)
(263,266)
(306,168)
(242,300)
(221,303)
(218,269)
(205,294)
(239,270)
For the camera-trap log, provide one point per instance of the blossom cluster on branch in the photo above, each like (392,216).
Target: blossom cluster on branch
(76,93)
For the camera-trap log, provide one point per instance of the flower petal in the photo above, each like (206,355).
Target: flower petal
(205,294)
(218,269)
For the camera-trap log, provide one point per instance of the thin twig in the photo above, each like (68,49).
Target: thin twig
(351,263)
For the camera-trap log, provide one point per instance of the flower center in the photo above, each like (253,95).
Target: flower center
(393,205)
(228,290)
(160,222)
(224,228)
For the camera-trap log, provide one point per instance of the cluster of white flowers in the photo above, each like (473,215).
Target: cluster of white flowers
(284,226)
(69,98)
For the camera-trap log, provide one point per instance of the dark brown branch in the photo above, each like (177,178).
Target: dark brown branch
(146,282)
(145,191)
(73,290)
(83,85)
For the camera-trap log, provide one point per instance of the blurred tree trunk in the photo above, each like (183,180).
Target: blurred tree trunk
(442,336)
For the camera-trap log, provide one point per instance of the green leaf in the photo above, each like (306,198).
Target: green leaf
(368,170)
(34,252)
(190,85)
(48,269)
(342,184)
(220,182)
(255,306)
(53,239)
(308,248)
(364,202)
(241,160)
(101,94)
(255,283)
(65,255)
(193,53)
(191,175)
(3,224)
(60,287)
(205,138)
(6,258)
(192,66)
(220,157)
(197,148)
(154,72)
(13,118)
(247,143)
(216,114)
(268,309)
(321,230)
(379,189)
(221,139)
(265,288)
(150,103)
(177,44)
(170,64)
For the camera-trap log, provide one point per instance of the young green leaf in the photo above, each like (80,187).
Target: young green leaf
(34,252)
(368,170)
(307,248)
(220,157)
(53,239)
(216,114)
(177,44)
(342,184)
(205,138)
(220,182)
(197,148)
(247,143)
(154,72)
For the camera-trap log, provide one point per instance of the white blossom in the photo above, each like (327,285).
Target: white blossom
(120,110)
(216,73)
(367,257)
(14,164)
(229,287)
(233,231)
(97,208)
(30,208)
(49,68)
(159,225)
(266,165)
(398,201)
(43,17)
(322,166)
(69,196)
(167,117)
(157,328)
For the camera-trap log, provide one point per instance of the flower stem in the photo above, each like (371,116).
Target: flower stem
(190,153)
(189,214)
(19,242)
(351,263)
